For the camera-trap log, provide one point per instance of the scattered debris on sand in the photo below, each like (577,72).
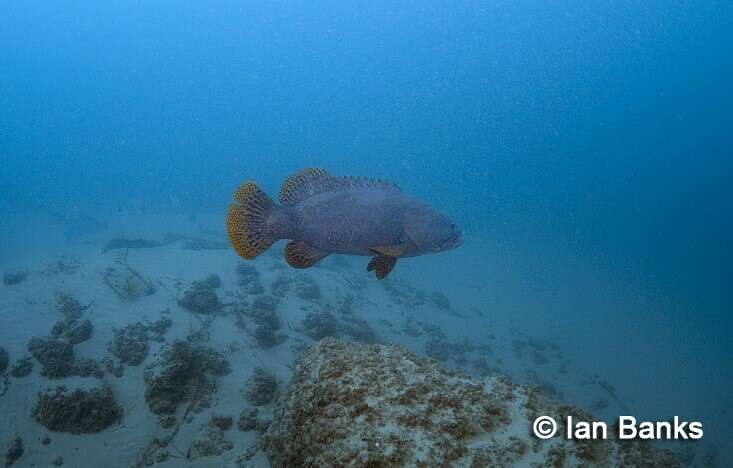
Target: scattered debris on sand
(127,283)
(14,451)
(77,411)
(376,405)
(261,388)
(124,243)
(11,278)
(183,371)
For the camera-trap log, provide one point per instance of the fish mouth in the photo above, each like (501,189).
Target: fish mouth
(453,241)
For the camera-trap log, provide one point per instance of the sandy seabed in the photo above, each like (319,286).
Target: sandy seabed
(148,293)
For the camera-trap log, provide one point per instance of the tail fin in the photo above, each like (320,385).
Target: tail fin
(248,228)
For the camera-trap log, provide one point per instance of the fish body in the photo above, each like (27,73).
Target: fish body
(323,214)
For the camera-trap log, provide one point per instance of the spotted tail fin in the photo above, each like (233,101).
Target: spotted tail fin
(250,224)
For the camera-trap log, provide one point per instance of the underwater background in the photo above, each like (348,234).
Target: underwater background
(584,147)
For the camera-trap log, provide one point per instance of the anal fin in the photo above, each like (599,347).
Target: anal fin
(301,255)
(382,265)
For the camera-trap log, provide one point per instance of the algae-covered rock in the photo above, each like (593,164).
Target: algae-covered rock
(77,411)
(360,405)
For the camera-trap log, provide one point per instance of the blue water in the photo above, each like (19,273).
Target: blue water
(585,147)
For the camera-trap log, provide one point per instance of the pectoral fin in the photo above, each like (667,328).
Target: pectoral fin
(302,255)
(389,250)
(382,265)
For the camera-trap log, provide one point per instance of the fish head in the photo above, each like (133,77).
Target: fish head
(430,231)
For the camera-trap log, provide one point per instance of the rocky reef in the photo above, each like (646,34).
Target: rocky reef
(375,405)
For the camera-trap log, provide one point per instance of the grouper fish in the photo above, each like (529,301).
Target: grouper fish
(323,214)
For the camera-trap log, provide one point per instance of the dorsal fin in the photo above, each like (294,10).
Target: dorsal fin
(311,181)
(304,184)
